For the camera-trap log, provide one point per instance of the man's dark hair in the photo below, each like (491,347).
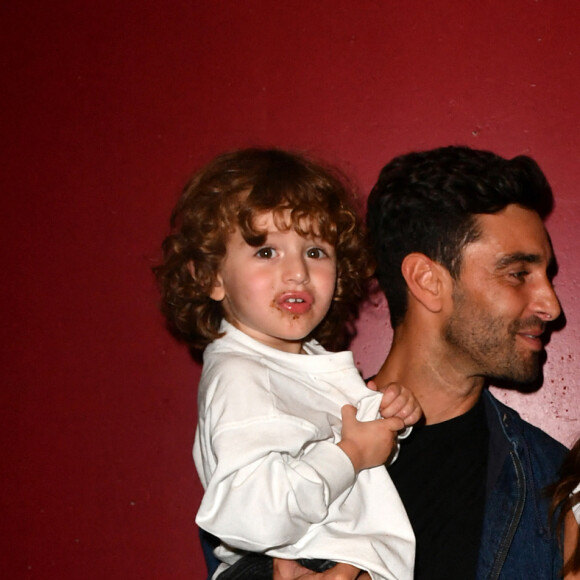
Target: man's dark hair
(427,202)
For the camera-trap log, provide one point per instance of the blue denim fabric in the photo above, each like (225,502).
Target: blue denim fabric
(208,544)
(516,542)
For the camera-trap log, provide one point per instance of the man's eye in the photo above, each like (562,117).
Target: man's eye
(266,253)
(519,275)
(316,253)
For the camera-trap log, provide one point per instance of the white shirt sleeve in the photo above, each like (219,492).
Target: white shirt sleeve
(272,477)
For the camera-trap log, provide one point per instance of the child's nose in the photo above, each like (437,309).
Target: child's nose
(296,270)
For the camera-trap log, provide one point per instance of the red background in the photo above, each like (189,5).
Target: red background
(107,107)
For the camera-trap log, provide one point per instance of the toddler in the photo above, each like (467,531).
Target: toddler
(266,263)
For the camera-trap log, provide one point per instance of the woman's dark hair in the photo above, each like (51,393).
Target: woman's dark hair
(564,498)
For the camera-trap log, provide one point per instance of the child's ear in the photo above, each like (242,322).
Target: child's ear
(217,291)
(427,280)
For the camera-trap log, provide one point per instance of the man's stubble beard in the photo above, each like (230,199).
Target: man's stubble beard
(489,344)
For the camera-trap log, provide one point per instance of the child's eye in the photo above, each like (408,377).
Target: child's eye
(266,253)
(316,253)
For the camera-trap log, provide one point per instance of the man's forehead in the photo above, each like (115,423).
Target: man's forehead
(514,234)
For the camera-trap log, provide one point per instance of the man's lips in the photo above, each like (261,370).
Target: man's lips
(533,337)
(295,302)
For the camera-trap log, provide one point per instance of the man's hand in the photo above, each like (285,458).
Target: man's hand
(288,570)
(291,570)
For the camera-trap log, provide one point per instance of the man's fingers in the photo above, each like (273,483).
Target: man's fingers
(288,570)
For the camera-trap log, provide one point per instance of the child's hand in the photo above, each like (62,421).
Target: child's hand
(398,401)
(368,443)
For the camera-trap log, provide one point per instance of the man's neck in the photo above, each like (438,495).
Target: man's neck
(441,389)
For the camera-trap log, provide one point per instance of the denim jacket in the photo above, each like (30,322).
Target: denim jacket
(516,541)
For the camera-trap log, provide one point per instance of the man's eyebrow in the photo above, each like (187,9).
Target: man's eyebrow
(510,259)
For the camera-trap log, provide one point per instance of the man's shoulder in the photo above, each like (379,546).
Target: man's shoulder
(524,433)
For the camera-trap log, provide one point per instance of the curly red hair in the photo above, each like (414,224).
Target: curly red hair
(229,193)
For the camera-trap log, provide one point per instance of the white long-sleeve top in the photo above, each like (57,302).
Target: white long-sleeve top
(275,481)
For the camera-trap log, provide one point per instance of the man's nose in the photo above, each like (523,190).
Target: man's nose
(547,306)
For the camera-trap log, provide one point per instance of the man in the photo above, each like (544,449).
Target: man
(465,262)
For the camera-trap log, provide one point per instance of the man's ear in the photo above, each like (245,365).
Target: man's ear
(427,280)
(217,291)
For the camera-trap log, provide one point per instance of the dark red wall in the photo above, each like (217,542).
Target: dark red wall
(106,109)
